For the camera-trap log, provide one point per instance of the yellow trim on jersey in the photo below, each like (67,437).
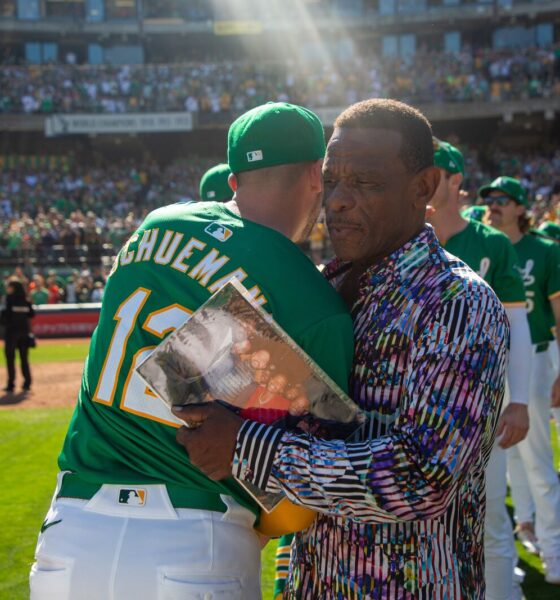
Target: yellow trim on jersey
(140,413)
(118,319)
(155,313)
(555,295)
(514,304)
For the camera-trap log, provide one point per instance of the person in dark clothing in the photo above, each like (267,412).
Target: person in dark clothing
(16,319)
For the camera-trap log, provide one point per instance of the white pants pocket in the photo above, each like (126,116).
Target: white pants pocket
(199,587)
(49,583)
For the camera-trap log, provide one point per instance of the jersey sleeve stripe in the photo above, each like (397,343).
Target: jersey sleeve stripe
(514,304)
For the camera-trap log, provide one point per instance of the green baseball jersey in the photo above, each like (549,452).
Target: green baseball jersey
(539,264)
(490,253)
(40,296)
(181,255)
(476,213)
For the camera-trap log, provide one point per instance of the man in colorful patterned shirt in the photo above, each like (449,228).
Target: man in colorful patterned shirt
(531,468)
(491,254)
(401,507)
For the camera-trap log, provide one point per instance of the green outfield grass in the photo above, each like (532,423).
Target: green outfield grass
(48,352)
(30,440)
(29,444)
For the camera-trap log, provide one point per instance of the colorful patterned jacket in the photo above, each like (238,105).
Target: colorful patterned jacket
(401,507)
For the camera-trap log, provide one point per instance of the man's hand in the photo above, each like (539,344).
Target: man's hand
(555,393)
(513,425)
(210,437)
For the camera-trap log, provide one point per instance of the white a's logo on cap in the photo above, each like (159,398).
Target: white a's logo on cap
(254,156)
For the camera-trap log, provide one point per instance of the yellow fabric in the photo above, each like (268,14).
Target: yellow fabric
(285,518)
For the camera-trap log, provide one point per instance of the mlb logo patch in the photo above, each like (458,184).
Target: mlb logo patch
(132,496)
(219,232)
(254,156)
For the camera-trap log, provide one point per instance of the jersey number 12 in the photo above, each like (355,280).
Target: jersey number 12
(136,397)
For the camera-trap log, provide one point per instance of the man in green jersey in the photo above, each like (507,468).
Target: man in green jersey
(131,516)
(474,213)
(550,230)
(539,262)
(214,186)
(491,255)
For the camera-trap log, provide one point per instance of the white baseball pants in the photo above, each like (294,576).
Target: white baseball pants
(102,550)
(499,545)
(533,478)
(556,367)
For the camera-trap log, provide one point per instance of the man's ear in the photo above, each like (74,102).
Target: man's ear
(456,180)
(426,183)
(232,182)
(316,176)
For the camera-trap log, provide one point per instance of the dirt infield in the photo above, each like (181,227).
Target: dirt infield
(65,341)
(54,384)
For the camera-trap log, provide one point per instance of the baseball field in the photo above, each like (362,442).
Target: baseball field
(32,427)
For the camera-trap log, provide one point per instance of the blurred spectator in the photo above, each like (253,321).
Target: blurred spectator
(97,292)
(39,293)
(71,288)
(53,290)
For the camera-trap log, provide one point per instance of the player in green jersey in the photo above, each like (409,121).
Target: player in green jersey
(474,213)
(539,262)
(214,184)
(131,516)
(491,255)
(550,230)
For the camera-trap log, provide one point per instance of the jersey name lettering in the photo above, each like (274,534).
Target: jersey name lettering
(193,258)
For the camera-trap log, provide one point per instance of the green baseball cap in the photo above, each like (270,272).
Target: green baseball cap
(274,134)
(474,213)
(214,184)
(550,229)
(448,158)
(509,186)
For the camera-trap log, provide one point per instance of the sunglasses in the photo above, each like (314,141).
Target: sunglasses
(499,200)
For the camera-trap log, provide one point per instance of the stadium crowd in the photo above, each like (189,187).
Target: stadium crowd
(214,87)
(76,220)
(55,286)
